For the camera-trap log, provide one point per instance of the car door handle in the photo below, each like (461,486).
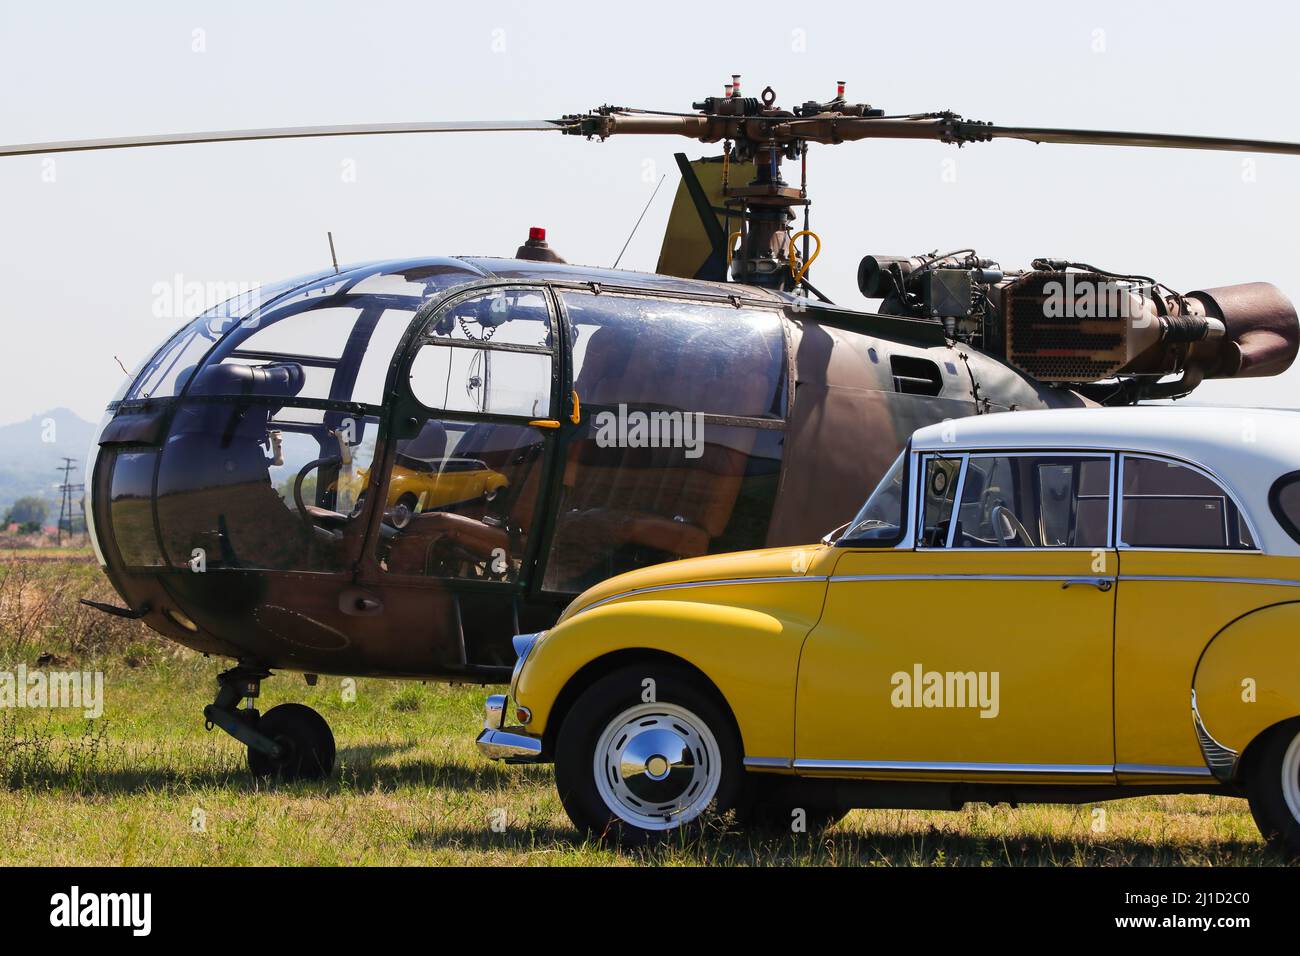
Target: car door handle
(1101,584)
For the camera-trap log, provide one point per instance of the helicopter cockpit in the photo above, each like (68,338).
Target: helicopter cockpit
(489,437)
(275,401)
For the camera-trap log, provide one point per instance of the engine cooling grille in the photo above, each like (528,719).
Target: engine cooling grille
(1062,347)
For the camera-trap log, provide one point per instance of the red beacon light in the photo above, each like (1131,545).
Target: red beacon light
(536,248)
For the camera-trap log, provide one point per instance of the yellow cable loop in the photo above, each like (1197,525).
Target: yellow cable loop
(795,271)
(731,246)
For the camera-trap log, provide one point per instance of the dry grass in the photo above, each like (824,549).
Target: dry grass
(132,787)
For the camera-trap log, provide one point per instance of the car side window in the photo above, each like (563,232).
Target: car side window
(938,491)
(1170,505)
(1034,501)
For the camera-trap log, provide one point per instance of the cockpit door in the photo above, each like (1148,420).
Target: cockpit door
(463,479)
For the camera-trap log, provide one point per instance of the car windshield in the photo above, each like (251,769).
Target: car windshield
(881,519)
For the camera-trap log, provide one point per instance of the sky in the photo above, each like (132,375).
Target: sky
(91,244)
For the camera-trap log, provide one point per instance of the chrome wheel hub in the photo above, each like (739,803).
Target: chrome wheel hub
(657,766)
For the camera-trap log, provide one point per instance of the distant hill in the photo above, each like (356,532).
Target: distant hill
(31,451)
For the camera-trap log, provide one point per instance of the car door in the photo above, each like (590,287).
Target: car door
(983,642)
(1189,567)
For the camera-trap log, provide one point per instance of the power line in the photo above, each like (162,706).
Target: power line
(67,517)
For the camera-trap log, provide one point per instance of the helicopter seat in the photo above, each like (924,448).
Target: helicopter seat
(477,530)
(670,500)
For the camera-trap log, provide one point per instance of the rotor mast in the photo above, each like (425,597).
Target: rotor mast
(753,130)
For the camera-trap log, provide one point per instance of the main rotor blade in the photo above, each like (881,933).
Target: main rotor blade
(287,132)
(1088,137)
(950,128)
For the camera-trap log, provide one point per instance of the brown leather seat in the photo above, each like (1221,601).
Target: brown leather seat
(512,450)
(662,498)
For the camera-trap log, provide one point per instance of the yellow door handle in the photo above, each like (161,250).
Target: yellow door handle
(544,423)
(576,417)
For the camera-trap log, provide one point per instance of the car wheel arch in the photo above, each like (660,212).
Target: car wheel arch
(1200,658)
(608,663)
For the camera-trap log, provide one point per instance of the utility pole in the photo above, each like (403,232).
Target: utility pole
(66,490)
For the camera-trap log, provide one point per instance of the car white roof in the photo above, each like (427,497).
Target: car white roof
(1247,449)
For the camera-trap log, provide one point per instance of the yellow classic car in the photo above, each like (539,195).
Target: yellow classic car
(1059,606)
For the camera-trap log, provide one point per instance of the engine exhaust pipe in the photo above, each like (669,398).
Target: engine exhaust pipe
(1261,331)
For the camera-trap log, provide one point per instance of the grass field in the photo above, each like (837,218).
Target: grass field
(146,785)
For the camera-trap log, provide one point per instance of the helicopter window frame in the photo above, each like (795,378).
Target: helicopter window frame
(776,420)
(784,401)
(309,291)
(423,338)
(370,309)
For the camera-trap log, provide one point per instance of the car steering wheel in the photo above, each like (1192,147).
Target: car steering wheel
(1004,515)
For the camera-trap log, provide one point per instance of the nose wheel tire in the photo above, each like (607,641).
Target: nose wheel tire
(1273,788)
(305,740)
(637,770)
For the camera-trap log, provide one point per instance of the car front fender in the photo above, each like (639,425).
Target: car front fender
(751,655)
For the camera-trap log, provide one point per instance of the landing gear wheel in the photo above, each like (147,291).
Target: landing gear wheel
(306,740)
(1273,788)
(636,771)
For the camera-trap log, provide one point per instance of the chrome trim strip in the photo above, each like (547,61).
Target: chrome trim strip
(790,579)
(839,578)
(774,763)
(996,549)
(904,766)
(954,514)
(1112,507)
(1221,760)
(1207,579)
(1162,769)
(782,763)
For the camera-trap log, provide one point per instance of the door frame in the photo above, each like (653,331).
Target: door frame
(405,415)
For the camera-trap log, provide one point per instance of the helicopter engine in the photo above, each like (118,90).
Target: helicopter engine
(1117,337)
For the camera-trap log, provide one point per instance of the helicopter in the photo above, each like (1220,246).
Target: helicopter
(391,469)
